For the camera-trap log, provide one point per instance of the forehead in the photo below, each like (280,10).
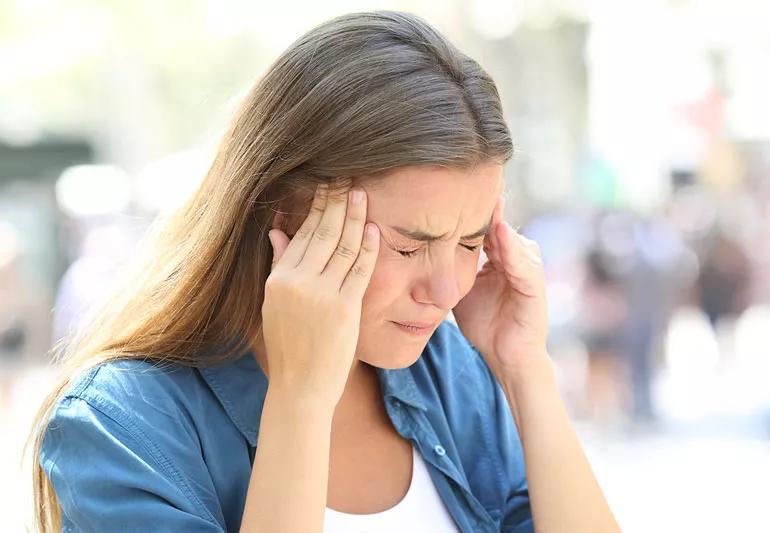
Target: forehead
(435,198)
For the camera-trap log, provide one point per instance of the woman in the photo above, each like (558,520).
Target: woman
(281,364)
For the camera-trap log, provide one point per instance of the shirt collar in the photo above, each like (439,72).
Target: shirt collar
(241,386)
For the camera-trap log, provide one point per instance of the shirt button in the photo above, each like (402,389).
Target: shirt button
(439,449)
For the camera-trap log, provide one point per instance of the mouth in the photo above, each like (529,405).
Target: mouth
(416,328)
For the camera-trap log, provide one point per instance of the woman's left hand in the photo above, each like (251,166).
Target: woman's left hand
(505,313)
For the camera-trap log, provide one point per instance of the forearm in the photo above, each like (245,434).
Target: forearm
(288,486)
(564,494)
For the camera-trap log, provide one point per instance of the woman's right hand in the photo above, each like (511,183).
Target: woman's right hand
(312,307)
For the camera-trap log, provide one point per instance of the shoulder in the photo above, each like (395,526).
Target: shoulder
(135,398)
(134,379)
(141,397)
(125,430)
(148,391)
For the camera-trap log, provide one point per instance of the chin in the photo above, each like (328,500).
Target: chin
(396,357)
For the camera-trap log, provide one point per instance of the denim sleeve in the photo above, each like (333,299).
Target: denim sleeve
(109,477)
(517,512)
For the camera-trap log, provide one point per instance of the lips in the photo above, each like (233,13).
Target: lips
(420,325)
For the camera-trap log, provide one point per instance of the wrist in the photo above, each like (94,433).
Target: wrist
(291,404)
(533,371)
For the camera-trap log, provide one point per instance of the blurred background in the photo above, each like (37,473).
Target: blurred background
(642,169)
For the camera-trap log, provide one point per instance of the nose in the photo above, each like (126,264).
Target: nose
(440,287)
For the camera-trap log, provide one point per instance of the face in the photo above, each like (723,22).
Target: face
(432,224)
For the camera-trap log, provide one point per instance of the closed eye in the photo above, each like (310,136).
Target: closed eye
(410,253)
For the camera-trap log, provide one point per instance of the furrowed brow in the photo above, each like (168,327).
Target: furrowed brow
(419,235)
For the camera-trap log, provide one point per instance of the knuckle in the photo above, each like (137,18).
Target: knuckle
(303,232)
(337,198)
(275,283)
(295,290)
(359,270)
(324,232)
(345,252)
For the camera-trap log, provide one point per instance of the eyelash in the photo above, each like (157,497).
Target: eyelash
(410,253)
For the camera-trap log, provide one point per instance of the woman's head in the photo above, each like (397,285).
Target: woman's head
(386,100)
(381,98)
(432,224)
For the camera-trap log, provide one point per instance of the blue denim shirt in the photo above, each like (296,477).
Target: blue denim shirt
(134,446)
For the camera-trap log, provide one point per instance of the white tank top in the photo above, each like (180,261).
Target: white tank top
(420,510)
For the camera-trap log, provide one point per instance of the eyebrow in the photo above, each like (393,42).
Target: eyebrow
(419,235)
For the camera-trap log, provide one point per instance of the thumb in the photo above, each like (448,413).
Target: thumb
(279,241)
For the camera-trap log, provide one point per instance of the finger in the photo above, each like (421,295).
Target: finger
(327,234)
(526,275)
(532,250)
(279,241)
(361,273)
(491,248)
(350,243)
(295,251)
(529,248)
(499,213)
(491,242)
(278,220)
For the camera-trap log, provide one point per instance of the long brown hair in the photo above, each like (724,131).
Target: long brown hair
(357,96)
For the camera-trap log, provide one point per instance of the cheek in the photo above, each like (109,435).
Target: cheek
(390,280)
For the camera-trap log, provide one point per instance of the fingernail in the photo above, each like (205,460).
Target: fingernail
(371,230)
(356,196)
